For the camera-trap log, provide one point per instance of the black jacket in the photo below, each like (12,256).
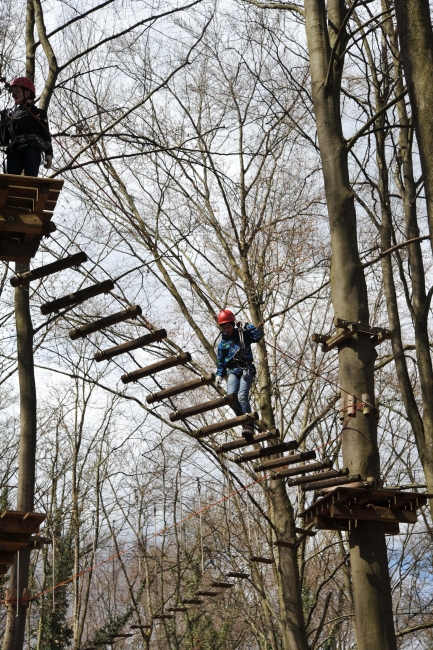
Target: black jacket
(25,125)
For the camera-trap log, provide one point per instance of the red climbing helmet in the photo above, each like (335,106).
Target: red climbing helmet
(226,316)
(23,82)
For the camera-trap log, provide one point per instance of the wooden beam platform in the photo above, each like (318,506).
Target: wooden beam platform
(26,208)
(237,574)
(17,530)
(343,505)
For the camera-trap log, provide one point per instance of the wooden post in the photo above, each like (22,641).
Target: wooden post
(16,612)
(140,342)
(170,362)
(20,279)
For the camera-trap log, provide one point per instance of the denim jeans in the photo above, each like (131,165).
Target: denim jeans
(28,159)
(241,386)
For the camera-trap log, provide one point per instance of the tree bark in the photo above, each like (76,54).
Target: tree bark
(371,584)
(293,623)
(16,620)
(416,45)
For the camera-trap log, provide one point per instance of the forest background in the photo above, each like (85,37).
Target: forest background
(186,137)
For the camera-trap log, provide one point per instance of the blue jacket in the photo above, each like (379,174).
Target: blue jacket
(230,345)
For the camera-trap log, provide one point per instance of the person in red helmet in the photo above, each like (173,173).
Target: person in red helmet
(235,359)
(24,129)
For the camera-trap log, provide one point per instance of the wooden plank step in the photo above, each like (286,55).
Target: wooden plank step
(178,389)
(24,190)
(247,418)
(102,323)
(321,476)
(204,592)
(162,617)
(139,342)
(190,411)
(237,574)
(159,366)
(141,627)
(193,601)
(285,460)
(21,279)
(245,441)
(304,469)
(262,560)
(271,450)
(343,480)
(77,298)
(284,544)
(177,609)
(223,585)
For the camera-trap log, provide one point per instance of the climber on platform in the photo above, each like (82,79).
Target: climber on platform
(235,359)
(24,129)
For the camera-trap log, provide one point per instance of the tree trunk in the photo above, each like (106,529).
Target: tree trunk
(293,623)
(416,45)
(16,620)
(368,556)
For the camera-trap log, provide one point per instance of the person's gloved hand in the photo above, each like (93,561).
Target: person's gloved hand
(219,382)
(48,162)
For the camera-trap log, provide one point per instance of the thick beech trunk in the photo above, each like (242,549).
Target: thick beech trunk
(416,46)
(368,556)
(16,620)
(293,624)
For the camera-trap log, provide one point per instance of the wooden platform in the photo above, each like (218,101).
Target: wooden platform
(16,530)
(26,207)
(342,507)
